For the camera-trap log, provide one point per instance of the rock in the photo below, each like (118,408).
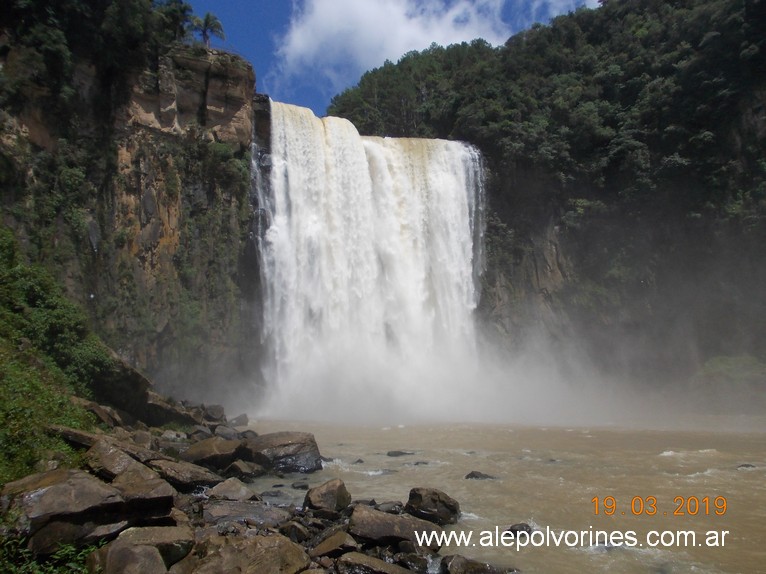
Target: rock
(285,451)
(232,489)
(159,411)
(226,432)
(746,466)
(397,453)
(215,452)
(358,563)
(244,470)
(382,528)
(412,561)
(257,514)
(392,507)
(173,436)
(461,565)
(184,476)
(127,559)
(520,527)
(295,531)
(214,413)
(339,543)
(433,505)
(63,506)
(105,414)
(144,439)
(476,475)
(273,554)
(331,495)
(240,421)
(300,485)
(173,544)
(200,432)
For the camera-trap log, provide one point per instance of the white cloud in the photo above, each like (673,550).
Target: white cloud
(330,43)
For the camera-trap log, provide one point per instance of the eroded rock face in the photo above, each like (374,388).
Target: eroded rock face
(194,86)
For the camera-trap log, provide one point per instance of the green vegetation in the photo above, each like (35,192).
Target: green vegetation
(47,354)
(16,559)
(638,129)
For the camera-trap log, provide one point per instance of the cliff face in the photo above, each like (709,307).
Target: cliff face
(155,242)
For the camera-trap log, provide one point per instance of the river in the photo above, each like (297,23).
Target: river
(661,482)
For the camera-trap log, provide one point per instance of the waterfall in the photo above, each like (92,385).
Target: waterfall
(370,269)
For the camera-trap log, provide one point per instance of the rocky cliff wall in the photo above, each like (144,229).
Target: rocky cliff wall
(153,237)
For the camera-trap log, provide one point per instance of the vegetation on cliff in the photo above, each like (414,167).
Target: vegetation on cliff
(638,130)
(47,354)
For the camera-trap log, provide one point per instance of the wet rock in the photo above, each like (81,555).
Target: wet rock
(746,466)
(461,565)
(215,452)
(301,485)
(433,505)
(413,562)
(159,411)
(273,554)
(476,475)
(232,489)
(516,529)
(144,439)
(397,453)
(173,436)
(257,514)
(357,563)
(382,528)
(285,451)
(392,507)
(331,495)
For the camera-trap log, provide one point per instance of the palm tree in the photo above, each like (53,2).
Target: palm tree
(207,26)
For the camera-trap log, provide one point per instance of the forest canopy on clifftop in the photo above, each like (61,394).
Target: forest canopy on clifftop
(638,129)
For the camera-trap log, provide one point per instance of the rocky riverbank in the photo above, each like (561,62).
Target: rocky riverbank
(182,501)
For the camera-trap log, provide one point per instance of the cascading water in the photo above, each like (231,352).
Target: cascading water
(370,269)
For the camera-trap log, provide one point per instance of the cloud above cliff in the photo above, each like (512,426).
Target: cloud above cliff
(330,43)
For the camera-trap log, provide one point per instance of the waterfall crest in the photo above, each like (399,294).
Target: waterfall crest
(370,266)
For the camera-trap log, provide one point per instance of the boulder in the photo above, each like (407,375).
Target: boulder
(240,421)
(63,506)
(331,495)
(257,514)
(232,489)
(398,453)
(383,528)
(215,452)
(159,411)
(173,544)
(285,451)
(358,563)
(127,559)
(272,554)
(433,505)
(476,475)
(184,476)
(226,432)
(339,543)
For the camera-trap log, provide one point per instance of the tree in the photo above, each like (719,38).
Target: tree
(207,26)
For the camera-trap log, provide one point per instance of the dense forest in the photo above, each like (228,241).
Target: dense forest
(638,130)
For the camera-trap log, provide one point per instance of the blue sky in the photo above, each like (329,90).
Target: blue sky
(306,51)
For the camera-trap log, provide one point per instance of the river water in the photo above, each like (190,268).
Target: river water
(548,477)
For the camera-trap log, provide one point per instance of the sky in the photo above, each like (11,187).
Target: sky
(306,51)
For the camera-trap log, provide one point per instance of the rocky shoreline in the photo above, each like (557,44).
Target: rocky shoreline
(182,501)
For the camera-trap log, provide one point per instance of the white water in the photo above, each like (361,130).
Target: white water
(371,267)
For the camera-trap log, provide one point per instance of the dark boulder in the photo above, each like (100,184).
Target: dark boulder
(382,528)
(284,451)
(433,505)
(331,495)
(358,563)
